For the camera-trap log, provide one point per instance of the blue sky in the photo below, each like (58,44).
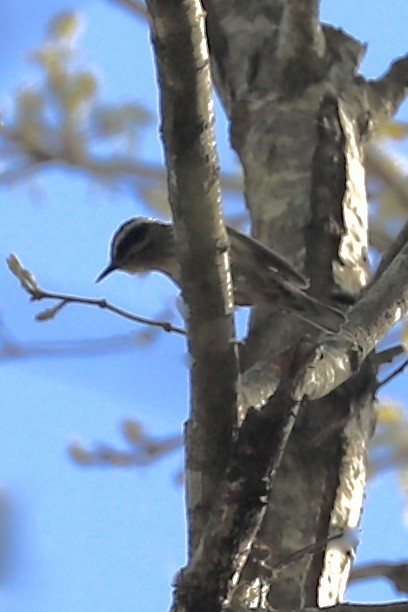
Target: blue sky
(100,539)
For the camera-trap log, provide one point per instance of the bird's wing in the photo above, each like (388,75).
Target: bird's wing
(250,251)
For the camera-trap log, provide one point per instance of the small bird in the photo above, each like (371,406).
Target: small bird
(260,276)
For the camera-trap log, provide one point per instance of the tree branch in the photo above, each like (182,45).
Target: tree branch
(388,92)
(394,374)
(194,193)
(142,449)
(116,168)
(30,285)
(383,304)
(10,350)
(397,573)
(136,8)
(209,582)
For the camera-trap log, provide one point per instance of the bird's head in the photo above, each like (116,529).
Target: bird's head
(141,245)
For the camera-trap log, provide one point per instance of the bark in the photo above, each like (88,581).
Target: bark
(194,194)
(299,115)
(293,474)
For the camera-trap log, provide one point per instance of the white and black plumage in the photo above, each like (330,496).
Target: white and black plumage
(260,276)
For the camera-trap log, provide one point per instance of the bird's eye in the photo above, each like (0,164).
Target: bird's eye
(134,237)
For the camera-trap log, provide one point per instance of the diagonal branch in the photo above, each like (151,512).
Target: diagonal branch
(209,582)
(386,94)
(336,359)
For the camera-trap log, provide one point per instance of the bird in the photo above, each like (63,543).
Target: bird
(260,276)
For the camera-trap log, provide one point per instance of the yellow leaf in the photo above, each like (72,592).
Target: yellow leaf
(65,26)
(394,130)
(389,413)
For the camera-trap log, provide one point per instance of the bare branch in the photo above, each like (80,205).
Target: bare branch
(115,168)
(388,355)
(98,346)
(387,93)
(37,294)
(394,374)
(397,573)
(143,449)
(104,304)
(135,7)
(383,304)
(178,32)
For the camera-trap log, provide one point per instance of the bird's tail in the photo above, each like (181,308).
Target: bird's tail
(320,315)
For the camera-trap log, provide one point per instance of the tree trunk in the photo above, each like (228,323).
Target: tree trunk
(299,115)
(294,125)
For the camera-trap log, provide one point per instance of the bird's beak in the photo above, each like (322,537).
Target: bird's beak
(105,272)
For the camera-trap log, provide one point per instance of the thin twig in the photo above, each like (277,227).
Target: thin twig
(40,294)
(11,350)
(394,374)
(133,6)
(114,168)
(388,355)
(30,284)
(141,453)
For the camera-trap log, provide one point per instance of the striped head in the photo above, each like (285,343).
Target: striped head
(142,245)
